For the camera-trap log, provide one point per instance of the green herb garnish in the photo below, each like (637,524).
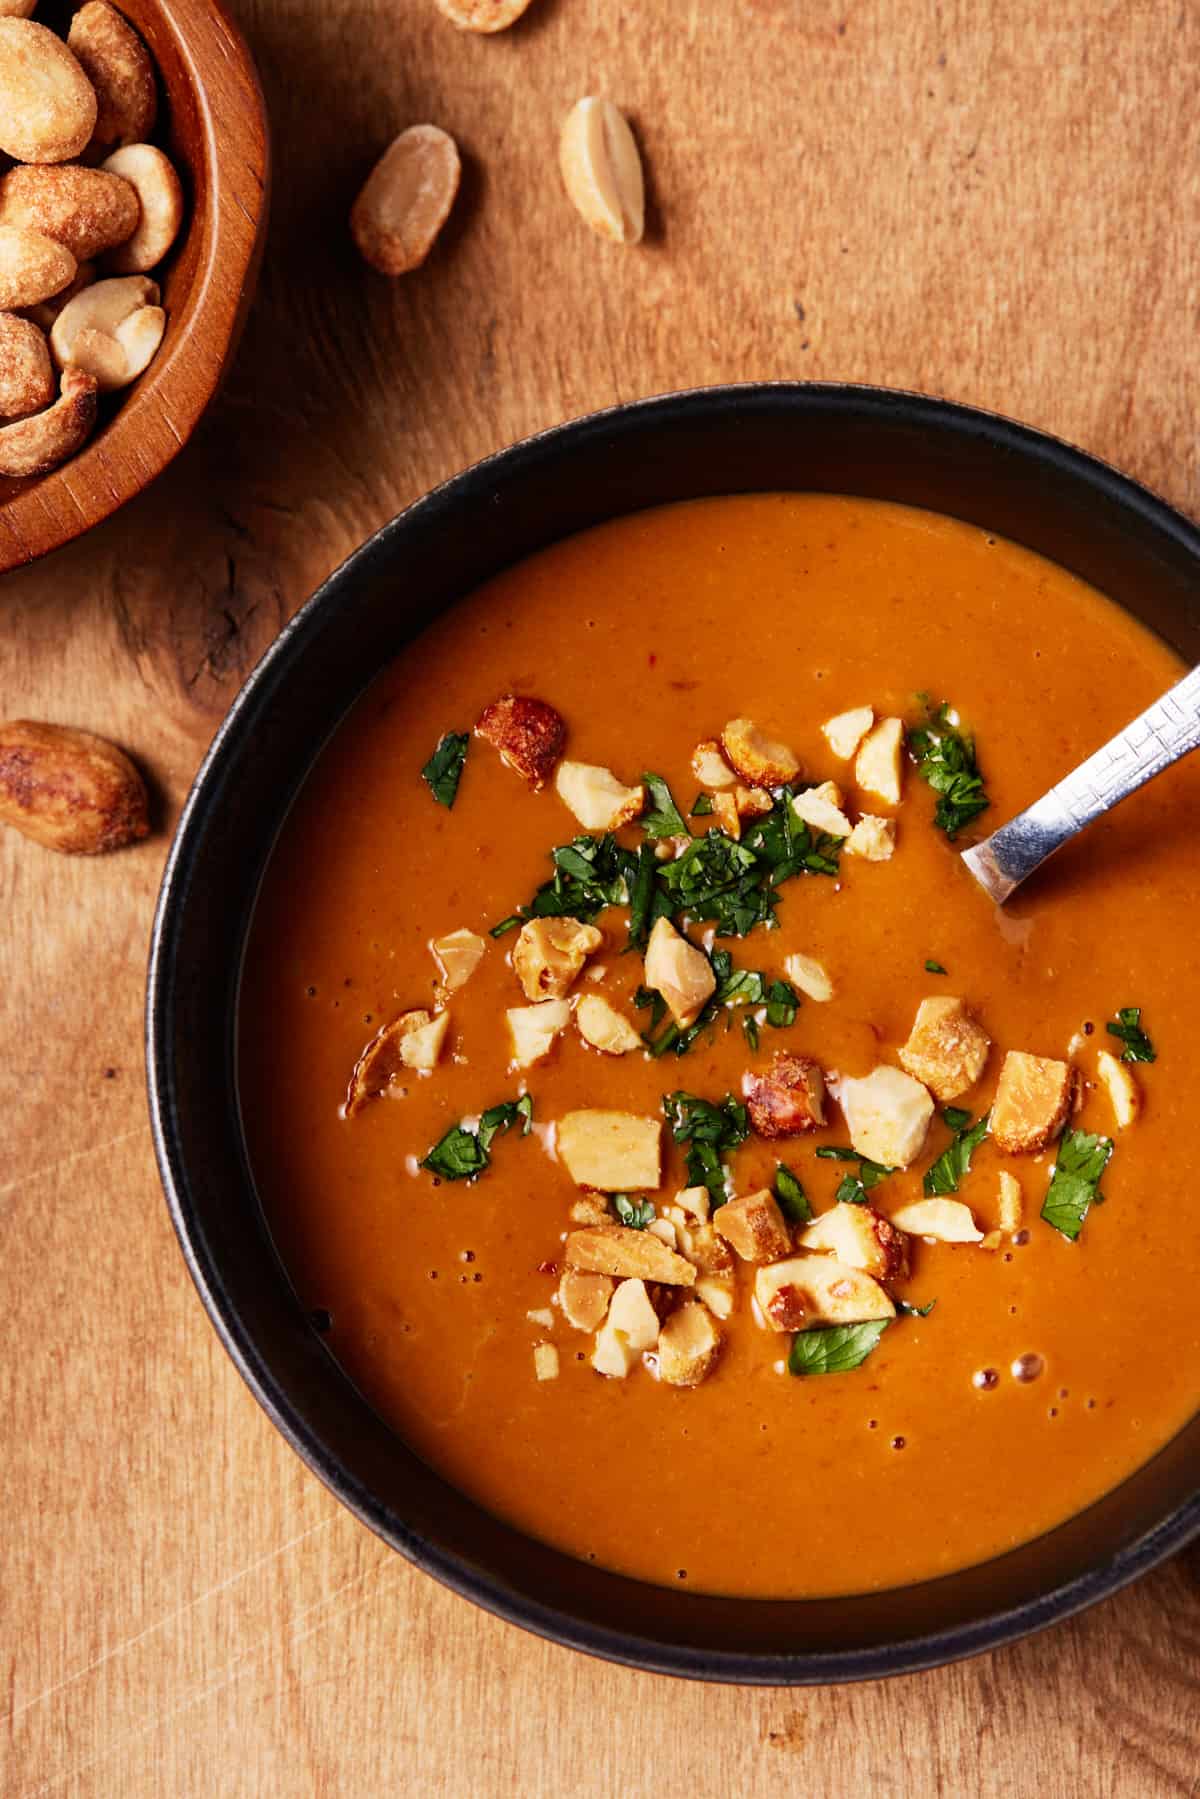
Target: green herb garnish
(464,1153)
(636,1213)
(506,924)
(590,873)
(934,968)
(750,1029)
(458,1156)
(836,1350)
(782,1004)
(444,768)
(1081,1160)
(790,1195)
(662,818)
(1127,1026)
(731,883)
(785,845)
(703,806)
(718,879)
(945,759)
(954,1163)
(646,899)
(853,1190)
(910,1311)
(708,1130)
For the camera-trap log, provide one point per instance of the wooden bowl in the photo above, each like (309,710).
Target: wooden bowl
(212,123)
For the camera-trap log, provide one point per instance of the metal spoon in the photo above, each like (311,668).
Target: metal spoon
(1158,736)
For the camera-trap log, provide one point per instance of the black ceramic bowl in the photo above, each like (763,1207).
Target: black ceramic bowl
(833,439)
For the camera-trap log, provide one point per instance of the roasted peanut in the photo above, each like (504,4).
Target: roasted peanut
(86,210)
(112,329)
(528,733)
(482,15)
(68,790)
(117,63)
(406,200)
(47,104)
(759,760)
(156,185)
(602,171)
(32,267)
(45,312)
(35,445)
(26,372)
(787,1098)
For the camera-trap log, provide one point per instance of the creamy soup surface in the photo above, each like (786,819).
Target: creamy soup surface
(1048,1368)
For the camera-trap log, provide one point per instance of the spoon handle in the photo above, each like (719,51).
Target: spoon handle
(1160,735)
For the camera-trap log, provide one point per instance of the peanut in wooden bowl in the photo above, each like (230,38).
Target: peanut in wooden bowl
(212,124)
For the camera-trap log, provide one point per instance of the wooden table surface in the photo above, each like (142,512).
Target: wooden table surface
(993,200)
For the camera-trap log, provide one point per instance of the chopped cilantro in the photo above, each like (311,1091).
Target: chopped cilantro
(945,759)
(708,1130)
(457,1156)
(502,1118)
(782,1004)
(736,986)
(636,1213)
(733,883)
(954,1163)
(646,900)
(663,817)
(792,1199)
(910,1311)
(785,845)
(443,770)
(750,1027)
(703,806)
(836,1350)
(1081,1160)
(1127,1026)
(464,1153)
(716,878)
(647,996)
(854,1188)
(934,968)
(590,873)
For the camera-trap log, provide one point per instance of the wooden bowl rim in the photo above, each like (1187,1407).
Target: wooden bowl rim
(166,404)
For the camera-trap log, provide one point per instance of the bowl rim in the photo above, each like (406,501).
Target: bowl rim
(769,1668)
(163,409)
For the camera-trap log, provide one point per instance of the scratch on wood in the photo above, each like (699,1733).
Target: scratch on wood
(80,1155)
(188,1605)
(232,1671)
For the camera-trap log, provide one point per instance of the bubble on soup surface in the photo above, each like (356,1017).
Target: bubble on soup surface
(1028,1367)
(985,1379)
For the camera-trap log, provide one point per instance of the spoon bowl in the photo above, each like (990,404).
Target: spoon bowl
(1165,731)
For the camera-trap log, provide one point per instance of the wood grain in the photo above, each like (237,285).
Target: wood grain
(994,201)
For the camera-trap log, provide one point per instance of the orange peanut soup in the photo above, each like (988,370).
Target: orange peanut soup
(742,1403)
